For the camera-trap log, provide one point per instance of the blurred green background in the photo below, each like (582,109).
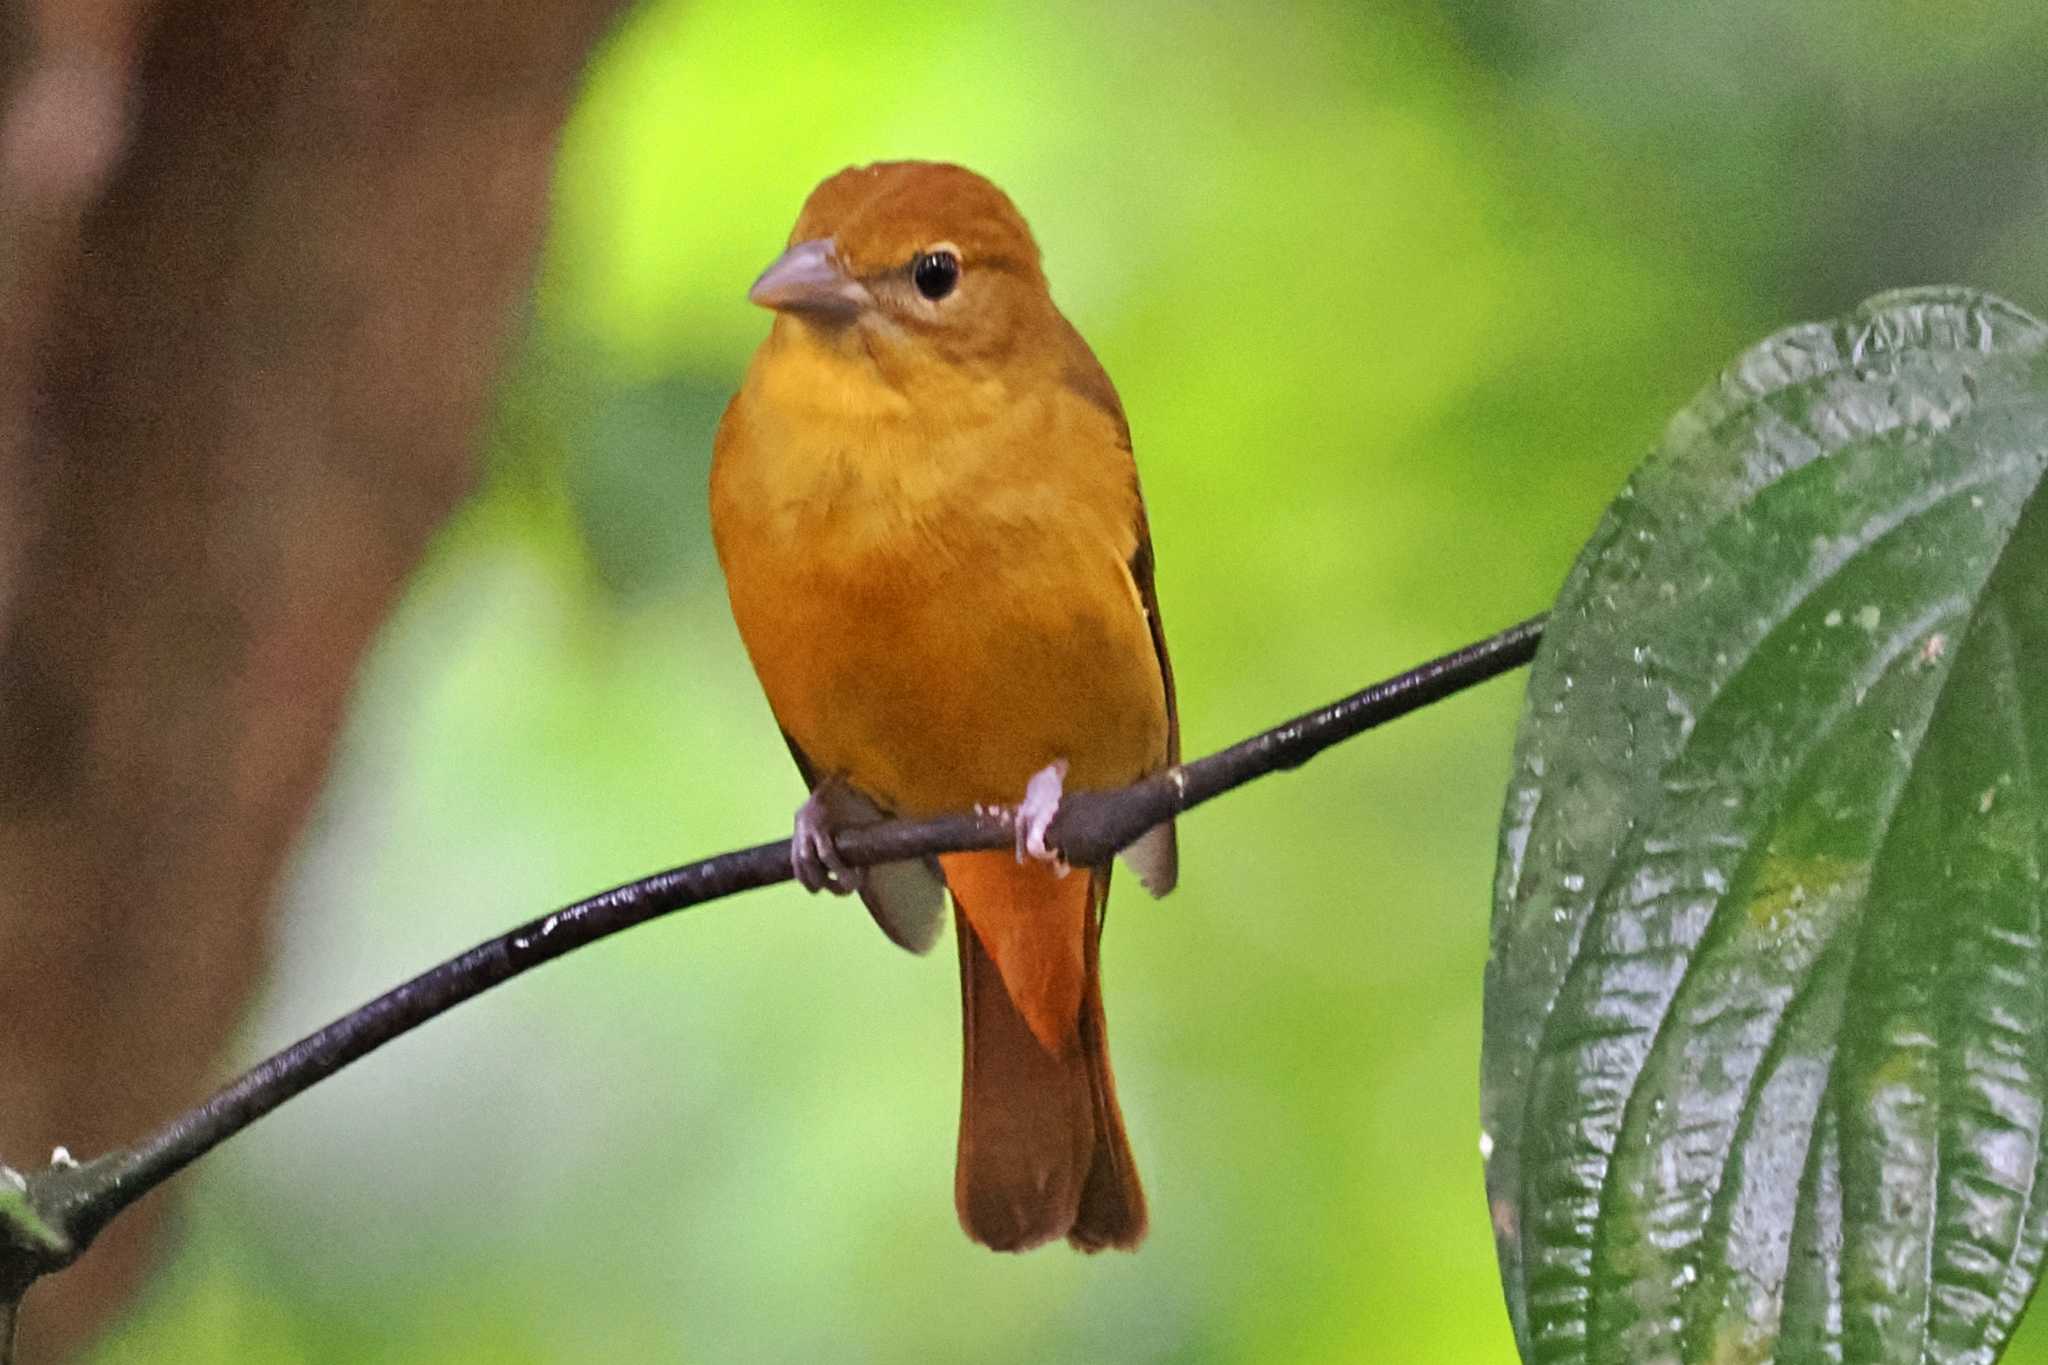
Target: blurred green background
(1395,296)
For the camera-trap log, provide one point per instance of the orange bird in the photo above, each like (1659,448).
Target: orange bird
(925,505)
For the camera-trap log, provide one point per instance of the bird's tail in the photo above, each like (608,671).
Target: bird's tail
(1042,1147)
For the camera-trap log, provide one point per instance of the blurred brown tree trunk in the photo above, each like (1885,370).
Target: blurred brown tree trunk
(258,261)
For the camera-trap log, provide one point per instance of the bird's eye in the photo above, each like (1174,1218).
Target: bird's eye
(935,273)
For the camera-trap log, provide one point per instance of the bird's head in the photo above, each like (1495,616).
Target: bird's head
(909,261)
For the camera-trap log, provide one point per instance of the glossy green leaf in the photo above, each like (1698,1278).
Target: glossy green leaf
(1766,1046)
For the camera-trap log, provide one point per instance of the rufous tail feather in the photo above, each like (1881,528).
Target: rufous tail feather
(1042,1153)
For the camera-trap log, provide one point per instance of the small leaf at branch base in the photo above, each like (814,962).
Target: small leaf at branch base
(1766,1041)
(22,1226)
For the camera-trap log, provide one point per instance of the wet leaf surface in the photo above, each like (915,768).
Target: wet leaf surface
(1766,1044)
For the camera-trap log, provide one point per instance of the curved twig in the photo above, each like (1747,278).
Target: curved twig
(68,1204)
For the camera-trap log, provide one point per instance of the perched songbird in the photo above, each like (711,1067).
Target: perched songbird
(925,505)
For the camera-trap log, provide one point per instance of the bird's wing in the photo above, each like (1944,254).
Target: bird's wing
(1155,857)
(908,898)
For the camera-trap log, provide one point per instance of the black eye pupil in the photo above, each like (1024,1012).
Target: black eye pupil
(935,274)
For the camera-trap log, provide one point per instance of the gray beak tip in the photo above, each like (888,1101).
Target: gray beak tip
(808,278)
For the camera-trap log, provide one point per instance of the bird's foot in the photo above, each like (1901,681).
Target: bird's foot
(813,857)
(1034,814)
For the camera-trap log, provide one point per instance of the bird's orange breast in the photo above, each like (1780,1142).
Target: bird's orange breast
(937,608)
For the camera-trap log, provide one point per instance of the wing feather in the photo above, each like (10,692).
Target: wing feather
(1155,857)
(908,898)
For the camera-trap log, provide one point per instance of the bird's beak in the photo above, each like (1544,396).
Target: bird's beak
(808,278)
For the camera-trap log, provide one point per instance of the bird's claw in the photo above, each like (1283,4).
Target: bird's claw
(1034,815)
(813,858)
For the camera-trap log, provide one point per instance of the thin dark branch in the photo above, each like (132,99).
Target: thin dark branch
(81,1200)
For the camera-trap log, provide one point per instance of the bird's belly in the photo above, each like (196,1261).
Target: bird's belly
(934,688)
